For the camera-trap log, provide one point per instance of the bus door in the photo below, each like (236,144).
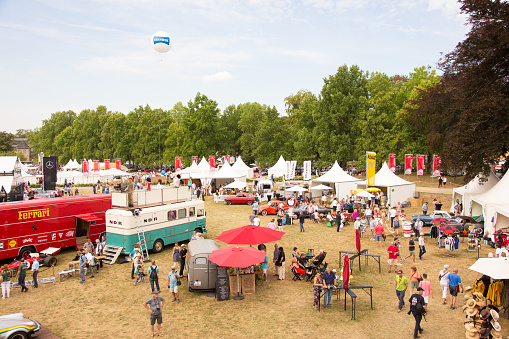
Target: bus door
(82,225)
(192,218)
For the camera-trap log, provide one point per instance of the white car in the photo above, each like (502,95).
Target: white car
(16,326)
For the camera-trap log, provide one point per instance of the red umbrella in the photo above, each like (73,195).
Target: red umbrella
(439,221)
(346,272)
(250,235)
(448,229)
(358,242)
(237,257)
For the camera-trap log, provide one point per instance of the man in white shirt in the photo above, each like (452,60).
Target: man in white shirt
(256,221)
(392,214)
(35,271)
(334,204)
(422,248)
(499,251)
(367,213)
(90,261)
(357,223)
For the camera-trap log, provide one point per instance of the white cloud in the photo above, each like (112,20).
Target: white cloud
(219,76)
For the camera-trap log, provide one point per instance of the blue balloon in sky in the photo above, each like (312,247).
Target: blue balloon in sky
(162,42)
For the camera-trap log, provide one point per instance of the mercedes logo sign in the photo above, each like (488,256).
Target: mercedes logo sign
(49,164)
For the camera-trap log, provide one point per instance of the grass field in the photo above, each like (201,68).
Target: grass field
(109,306)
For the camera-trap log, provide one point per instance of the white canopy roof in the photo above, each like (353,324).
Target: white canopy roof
(191,169)
(279,169)
(336,174)
(321,187)
(479,184)
(385,178)
(496,268)
(226,172)
(496,195)
(6,182)
(72,164)
(114,172)
(236,184)
(204,165)
(365,194)
(69,174)
(296,189)
(240,165)
(9,164)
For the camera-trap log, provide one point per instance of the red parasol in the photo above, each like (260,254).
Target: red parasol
(358,241)
(237,257)
(439,221)
(250,235)
(346,272)
(448,229)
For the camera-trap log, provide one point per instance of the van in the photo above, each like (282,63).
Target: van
(201,273)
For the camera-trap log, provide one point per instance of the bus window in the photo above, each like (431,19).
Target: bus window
(171,215)
(201,213)
(201,261)
(192,211)
(181,213)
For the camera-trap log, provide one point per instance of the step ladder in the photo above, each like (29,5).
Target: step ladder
(112,253)
(142,240)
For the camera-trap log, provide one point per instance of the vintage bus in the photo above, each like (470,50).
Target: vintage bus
(36,225)
(162,225)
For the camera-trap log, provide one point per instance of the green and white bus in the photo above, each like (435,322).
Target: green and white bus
(163,225)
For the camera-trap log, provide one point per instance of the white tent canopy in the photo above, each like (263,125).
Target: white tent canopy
(6,183)
(204,165)
(241,167)
(279,169)
(496,268)
(489,202)
(236,185)
(226,174)
(478,185)
(336,176)
(71,165)
(365,194)
(321,187)
(296,189)
(10,167)
(398,189)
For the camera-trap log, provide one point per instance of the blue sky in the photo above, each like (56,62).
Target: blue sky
(71,55)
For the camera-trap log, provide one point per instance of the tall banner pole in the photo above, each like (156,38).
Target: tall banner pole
(370,168)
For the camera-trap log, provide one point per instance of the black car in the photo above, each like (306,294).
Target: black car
(304,208)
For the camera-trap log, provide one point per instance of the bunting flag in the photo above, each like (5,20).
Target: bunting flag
(306,172)
(227,159)
(118,164)
(195,159)
(212,162)
(392,162)
(370,168)
(85,167)
(409,160)
(178,164)
(437,161)
(106,164)
(96,165)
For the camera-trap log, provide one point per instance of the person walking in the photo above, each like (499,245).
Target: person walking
(411,249)
(317,287)
(90,261)
(393,251)
(98,253)
(155,306)
(265,265)
(153,276)
(173,278)
(183,256)
(443,277)
(281,263)
(255,207)
(35,272)
(416,306)
(22,273)
(329,281)
(454,283)
(133,255)
(83,265)
(379,233)
(280,223)
(401,286)
(176,255)
(425,208)
(6,282)
(425,284)
(422,247)
(274,258)
(301,221)
(415,278)
(392,214)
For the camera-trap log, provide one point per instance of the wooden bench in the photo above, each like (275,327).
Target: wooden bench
(66,274)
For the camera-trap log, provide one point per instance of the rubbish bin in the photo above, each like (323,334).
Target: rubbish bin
(288,219)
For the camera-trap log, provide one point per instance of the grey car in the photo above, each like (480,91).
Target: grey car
(16,326)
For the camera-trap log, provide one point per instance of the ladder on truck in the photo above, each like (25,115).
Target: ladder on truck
(141,236)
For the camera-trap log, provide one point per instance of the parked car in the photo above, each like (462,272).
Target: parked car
(462,221)
(427,220)
(17,326)
(240,198)
(272,207)
(304,208)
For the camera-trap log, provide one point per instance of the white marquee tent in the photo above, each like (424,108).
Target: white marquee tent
(240,167)
(227,174)
(397,189)
(204,165)
(342,181)
(279,169)
(492,204)
(10,172)
(71,165)
(479,184)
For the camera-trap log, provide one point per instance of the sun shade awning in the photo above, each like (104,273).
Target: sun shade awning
(87,217)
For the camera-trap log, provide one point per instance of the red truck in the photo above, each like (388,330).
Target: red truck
(39,224)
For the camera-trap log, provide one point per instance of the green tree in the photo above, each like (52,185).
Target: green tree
(43,139)
(230,131)
(6,141)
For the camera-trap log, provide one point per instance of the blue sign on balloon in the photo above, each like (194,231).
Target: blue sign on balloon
(162,40)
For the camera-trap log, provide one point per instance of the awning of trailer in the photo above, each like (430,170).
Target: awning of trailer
(88,217)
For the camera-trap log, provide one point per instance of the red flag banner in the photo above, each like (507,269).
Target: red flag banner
(118,164)
(178,164)
(195,160)
(227,159)
(409,160)
(106,164)
(437,161)
(392,162)
(212,161)
(85,167)
(420,165)
(96,165)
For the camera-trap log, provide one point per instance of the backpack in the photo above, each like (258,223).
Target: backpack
(153,273)
(419,308)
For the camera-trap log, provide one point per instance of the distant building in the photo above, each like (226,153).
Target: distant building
(20,145)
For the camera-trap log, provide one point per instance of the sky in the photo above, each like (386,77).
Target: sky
(59,55)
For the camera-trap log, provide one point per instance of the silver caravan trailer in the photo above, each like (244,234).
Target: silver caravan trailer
(201,273)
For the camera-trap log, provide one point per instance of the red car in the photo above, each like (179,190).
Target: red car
(272,207)
(240,198)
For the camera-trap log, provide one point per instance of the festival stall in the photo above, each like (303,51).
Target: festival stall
(396,189)
(226,175)
(279,169)
(339,179)
(478,185)
(240,167)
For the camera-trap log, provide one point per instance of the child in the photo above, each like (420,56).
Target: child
(426,286)
(411,249)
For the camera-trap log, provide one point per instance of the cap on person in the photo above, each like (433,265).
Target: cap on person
(420,289)
(155,292)
(446,267)
(173,267)
(399,272)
